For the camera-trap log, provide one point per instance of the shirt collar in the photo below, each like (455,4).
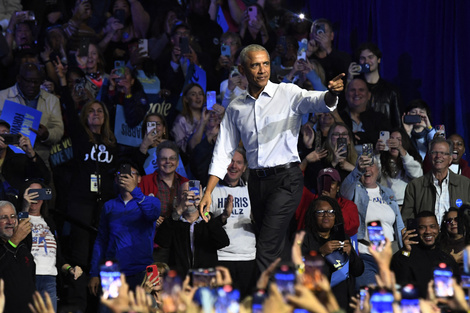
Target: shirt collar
(240,183)
(22,95)
(436,181)
(269,90)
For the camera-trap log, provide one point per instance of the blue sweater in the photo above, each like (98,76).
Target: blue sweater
(126,233)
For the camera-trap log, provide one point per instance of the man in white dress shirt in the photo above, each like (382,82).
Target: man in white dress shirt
(267,118)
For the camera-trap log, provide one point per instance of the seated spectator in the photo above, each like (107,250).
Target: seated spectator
(329,177)
(27,92)
(364,122)
(374,202)
(439,189)
(399,162)
(324,234)
(17,268)
(240,256)
(126,231)
(45,249)
(385,96)
(17,167)
(454,235)
(420,255)
(422,133)
(192,242)
(186,123)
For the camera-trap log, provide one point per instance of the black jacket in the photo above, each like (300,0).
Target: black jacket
(385,99)
(18,270)
(418,268)
(208,238)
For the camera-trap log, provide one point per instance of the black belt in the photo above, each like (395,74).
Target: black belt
(268,171)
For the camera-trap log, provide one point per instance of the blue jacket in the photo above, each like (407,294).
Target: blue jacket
(126,233)
(353,189)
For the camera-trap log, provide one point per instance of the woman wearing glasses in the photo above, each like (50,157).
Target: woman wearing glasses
(325,235)
(374,203)
(453,239)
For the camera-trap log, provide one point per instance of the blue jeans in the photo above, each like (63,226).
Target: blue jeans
(370,269)
(47,283)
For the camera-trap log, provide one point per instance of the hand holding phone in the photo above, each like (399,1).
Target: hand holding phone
(43,193)
(384,136)
(110,279)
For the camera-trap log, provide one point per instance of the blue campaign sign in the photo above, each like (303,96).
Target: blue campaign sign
(21,118)
(221,19)
(126,135)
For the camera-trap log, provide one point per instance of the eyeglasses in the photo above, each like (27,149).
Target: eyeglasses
(325,212)
(172,158)
(4,218)
(439,153)
(343,135)
(451,220)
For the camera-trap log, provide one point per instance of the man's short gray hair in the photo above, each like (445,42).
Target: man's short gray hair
(4,203)
(441,140)
(251,48)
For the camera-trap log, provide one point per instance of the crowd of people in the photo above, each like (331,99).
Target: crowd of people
(304,184)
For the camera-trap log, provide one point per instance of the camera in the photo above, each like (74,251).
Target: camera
(320,29)
(11,139)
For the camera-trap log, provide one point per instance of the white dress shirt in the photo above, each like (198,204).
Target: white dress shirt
(268,126)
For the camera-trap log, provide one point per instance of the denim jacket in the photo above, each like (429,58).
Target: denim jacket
(354,190)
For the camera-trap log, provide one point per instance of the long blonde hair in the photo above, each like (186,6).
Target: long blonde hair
(107,135)
(352,154)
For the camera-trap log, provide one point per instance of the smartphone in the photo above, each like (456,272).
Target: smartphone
(151,126)
(441,131)
(119,66)
(152,270)
(410,306)
(184,45)
(144,46)
(465,281)
(443,286)
(120,15)
(203,277)
(110,279)
(320,29)
(343,142)
(365,68)
(23,215)
(285,280)
(125,169)
(314,264)
(376,235)
(28,15)
(339,232)
(385,135)
(11,139)
(225,50)
(381,301)
(368,150)
(194,186)
(412,119)
(252,14)
(210,99)
(411,223)
(234,71)
(258,300)
(83,48)
(44,193)
(362,296)
(302,52)
(227,300)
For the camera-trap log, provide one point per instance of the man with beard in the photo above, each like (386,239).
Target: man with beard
(416,261)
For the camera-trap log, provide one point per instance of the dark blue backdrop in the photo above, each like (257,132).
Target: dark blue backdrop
(425,46)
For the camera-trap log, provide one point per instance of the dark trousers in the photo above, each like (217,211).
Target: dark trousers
(274,200)
(244,275)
